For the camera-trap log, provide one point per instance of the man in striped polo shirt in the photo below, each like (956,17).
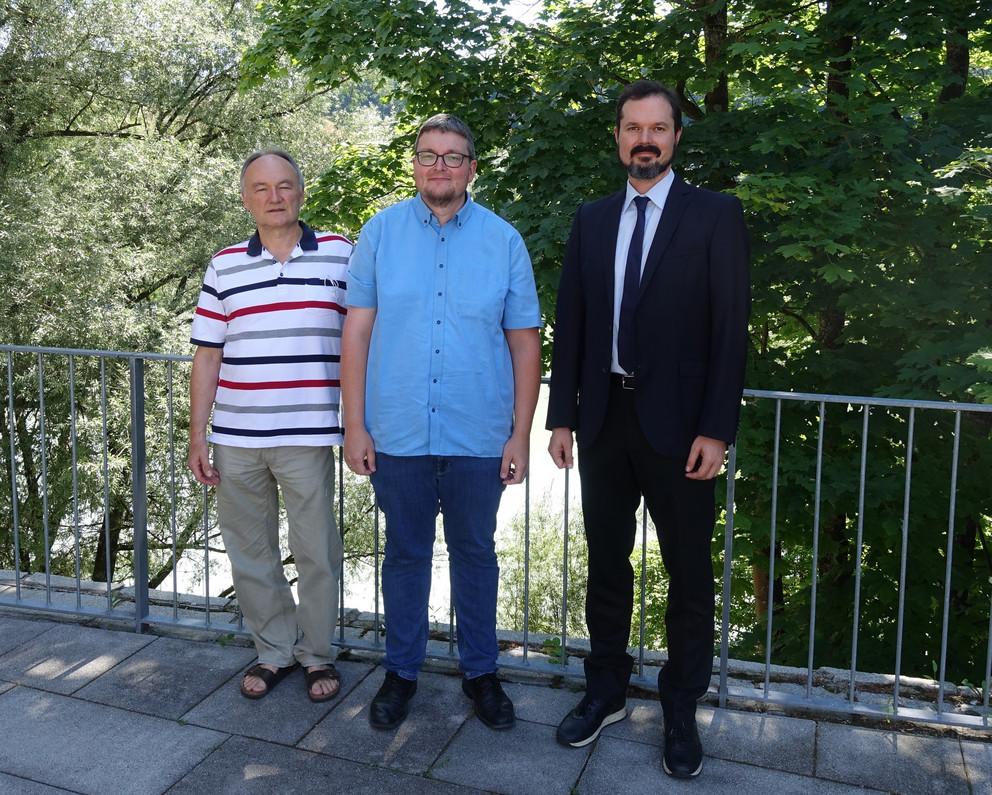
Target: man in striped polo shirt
(268,332)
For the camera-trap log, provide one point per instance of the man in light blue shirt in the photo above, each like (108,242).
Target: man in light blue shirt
(440,371)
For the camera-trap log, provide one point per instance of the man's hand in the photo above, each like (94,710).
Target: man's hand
(560,447)
(705,458)
(359,451)
(516,455)
(199,462)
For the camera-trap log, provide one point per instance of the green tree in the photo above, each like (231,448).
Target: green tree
(122,130)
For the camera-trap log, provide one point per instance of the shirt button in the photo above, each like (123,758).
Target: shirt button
(439,294)
(435,380)
(438,322)
(433,411)
(437,350)
(440,265)
(442,239)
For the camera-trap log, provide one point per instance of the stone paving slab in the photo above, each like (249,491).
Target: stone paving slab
(12,785)
(622,767)
(772,741)
(902,763)
(168,677)
(978,763)
(67,657)
(284,716)
(242,767)
(525,760)
(539,703)
(436,712)
(5,686)
(91,748)
(16,631)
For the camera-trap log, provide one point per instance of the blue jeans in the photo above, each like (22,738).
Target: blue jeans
(411,490)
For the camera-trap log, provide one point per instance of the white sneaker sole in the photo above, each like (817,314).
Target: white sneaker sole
(616,717)
(693,774)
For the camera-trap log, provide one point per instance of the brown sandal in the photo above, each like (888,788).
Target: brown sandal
(271,679)
(312,677)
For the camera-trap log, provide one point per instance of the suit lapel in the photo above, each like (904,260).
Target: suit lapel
(609,230)
(678,199)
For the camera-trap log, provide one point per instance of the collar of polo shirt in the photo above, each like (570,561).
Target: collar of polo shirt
(308,241)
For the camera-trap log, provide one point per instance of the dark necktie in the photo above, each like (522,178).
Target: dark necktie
(631,283)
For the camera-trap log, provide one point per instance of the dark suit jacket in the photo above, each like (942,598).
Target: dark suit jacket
(690,326)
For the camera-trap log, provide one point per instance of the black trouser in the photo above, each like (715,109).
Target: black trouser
(616,468)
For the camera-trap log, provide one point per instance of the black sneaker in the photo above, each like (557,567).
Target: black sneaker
(584,723)
(492,706)
(392,703)
(683,757)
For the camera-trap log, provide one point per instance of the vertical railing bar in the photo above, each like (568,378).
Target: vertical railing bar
(15,518)
(728,551)
(341,530)
(903,556)
(816,550)
(866,409)
(206,560)
(988,667)
(772,545)
(74,447)
(375,559)
(564,578)
(105,445)
(44,477)
(526,649)
(644,567)
(452,629)
(139,492)
(950,560)
(172,492)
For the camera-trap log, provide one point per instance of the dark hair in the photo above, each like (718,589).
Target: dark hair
(277,153)
(640,89)
(445,122)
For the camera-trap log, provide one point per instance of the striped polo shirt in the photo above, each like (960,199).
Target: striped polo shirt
(279,326)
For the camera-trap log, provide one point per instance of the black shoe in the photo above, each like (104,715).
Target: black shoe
(584,723)
(492,706)
(392,703)
(683,757)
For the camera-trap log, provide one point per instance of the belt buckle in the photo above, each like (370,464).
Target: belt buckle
(627,382)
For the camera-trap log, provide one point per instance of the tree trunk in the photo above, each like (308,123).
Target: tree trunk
(717,99)
(956,63)
(120,516)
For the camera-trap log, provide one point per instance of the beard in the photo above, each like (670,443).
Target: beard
(648,170)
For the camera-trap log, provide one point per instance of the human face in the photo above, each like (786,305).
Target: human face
(272,193)
(646,139)
(441,186)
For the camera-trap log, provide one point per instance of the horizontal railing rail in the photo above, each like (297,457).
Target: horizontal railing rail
(819,502)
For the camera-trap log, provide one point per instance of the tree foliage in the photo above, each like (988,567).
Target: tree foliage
(857,136)
(122,129)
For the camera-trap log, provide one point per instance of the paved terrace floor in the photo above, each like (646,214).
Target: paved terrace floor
(92,710)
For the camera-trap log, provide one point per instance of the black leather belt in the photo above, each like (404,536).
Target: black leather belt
(627,382)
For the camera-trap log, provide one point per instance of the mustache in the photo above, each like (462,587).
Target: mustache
(654,150)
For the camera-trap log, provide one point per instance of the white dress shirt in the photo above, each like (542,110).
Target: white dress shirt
(628,219)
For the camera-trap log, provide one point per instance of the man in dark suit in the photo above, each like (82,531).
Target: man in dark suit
(648,370)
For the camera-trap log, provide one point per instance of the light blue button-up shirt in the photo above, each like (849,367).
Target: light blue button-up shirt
(439,378)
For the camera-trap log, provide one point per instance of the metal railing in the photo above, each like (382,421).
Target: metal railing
(95,475)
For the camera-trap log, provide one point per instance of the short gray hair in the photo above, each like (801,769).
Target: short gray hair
(277,153)
(445,122)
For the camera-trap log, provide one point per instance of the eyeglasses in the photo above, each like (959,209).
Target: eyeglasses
(451,159)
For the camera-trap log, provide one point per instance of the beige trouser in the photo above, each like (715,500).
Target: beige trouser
(248,514)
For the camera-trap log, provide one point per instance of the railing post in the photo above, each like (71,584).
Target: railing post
(728,552)
(139,492)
